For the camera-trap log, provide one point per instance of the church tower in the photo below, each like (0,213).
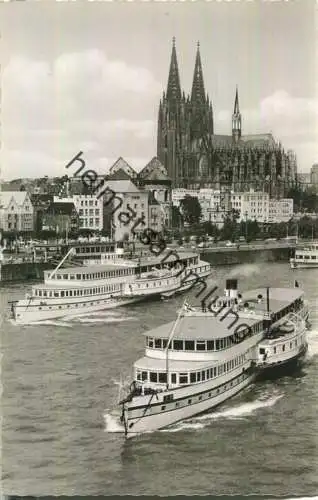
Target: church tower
(171,122)
(236,120)
(200,106)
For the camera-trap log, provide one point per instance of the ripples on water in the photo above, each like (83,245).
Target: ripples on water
(60,386)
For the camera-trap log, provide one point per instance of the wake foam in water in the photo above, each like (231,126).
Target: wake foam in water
(239,412)
(104,319)
(51,322)
(312,337)
(112,423)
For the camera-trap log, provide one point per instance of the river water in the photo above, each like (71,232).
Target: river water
(59,390)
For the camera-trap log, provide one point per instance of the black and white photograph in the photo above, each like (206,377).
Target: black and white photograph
(159,248)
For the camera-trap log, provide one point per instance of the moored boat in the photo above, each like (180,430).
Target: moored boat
(79,290)
(306,258)
(205,357)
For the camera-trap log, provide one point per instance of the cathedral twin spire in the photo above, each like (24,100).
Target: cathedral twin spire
(173,88)
(199,101)
(198,93)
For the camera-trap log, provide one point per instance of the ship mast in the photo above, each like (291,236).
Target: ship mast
(71,251)
(170,339)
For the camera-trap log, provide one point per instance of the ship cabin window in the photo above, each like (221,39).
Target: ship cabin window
(62,293)
(154,377)
(178,345)
(189,345)
(56,294)
(275,350)
(173,378)
(262,350)
(183,378)
(290,345)
(283,347)
(144,376)
(168,398)
(150,342)
(158,343)
(162,377)
(201,346)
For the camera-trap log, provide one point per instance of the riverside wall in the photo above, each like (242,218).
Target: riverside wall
(246,256)
(23,271)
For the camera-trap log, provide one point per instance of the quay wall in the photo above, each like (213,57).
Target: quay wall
(23,271)
(246,256)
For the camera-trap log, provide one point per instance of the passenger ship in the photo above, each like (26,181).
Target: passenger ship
(305,257)
(93,287)
(213,354)
(284,347)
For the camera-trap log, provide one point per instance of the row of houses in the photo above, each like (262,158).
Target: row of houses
(148,198)
(251,205)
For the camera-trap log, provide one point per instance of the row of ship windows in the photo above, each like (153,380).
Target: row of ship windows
(83,250)
(84,304)
(291,345)
(293,307)
(204,396)
(201,345)
(313,257)
(77,293)
(160,283)
(191,377)
(92,276)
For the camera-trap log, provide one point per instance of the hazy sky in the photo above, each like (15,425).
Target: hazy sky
(88,76)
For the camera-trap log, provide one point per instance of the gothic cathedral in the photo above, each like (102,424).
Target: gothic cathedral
(195,157)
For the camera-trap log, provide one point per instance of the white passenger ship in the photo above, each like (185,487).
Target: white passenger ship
(284,347)
(305,257)
(213,354)
(93,287)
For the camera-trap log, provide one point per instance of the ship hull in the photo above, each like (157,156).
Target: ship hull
(284,367)
(303,265)
(31,314)
(189,283)
(210,398)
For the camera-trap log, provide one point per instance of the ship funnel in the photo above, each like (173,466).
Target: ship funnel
(231,288)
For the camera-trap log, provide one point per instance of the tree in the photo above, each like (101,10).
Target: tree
(176,217)
(191,209)
(230,229)
(250,229)
(308,227)
(210,229)
(47,234)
